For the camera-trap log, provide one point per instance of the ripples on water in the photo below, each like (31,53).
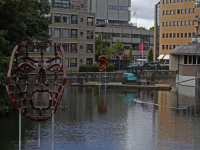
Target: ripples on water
(113,120)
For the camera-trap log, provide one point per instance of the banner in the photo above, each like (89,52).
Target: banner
(141,47)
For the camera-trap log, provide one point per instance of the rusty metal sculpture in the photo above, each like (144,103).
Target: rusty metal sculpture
(102,63)
(33,74)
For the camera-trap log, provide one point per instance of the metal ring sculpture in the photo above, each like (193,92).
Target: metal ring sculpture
(32,76)
(103,63)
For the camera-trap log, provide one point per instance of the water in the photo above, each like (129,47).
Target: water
(113,120)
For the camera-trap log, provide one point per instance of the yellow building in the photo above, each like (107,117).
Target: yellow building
(174,24)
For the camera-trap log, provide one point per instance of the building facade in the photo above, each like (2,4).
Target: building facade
(74,28)
(174,24)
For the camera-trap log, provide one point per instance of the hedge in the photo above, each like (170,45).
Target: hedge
(153,67)
(94,68)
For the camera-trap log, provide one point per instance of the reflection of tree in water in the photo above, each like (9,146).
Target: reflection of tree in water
(102,108)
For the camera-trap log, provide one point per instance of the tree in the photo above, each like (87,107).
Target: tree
(21,20)
(130,56)
(141,28)
(108,51)
(98,44)
(150,55)
(117,48)
(151,28)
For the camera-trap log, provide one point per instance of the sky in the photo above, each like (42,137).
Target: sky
(144,12)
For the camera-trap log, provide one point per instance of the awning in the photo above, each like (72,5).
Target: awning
(161,56)
(166,57)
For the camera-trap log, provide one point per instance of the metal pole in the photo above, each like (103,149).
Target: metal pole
(39,134)
(20,126)
(52,130)
(105,80)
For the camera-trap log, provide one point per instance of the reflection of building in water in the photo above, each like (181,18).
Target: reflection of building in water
(169,118)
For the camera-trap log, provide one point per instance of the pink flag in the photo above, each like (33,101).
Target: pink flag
(141,47)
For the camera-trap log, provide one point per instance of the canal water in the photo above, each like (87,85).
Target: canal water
(115,119)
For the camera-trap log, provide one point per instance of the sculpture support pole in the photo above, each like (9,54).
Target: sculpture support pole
(105,80)
(20,123)
(39,134)
(52,130)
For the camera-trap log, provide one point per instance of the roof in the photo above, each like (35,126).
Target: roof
(187,49)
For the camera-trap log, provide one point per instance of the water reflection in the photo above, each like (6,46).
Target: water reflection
(90,118)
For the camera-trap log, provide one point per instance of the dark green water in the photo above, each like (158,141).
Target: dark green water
(93,119)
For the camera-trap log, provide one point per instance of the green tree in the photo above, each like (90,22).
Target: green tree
(151,28)
(98,45)
(117,48)
(130,56)
(150,55)
(141,28)
(20,20)
(108,51)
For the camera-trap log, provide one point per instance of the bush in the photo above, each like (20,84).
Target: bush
(94,68)
(153,67)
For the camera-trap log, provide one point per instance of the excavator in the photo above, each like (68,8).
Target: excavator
(132,77)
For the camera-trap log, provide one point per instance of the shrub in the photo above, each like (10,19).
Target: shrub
(94,68)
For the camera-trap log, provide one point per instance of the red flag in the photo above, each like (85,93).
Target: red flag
(141,47)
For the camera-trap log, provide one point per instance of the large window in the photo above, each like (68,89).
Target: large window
(89,48)
(50,32)
(65,33)
(89,34)
(90,21)
(56,32)
(74,33)
(74,19)
(73,47)
(65,47)
(67,62)
(57,18)
(65,18)
(73,62)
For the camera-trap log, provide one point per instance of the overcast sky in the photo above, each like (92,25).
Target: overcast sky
(144,12)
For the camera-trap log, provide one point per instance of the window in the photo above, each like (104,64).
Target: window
(182,11)
(170,46)
(193,23)
(166,35)
(178,23)
(174,23)
(190,59)
(193,10)
(177,35)
(198,59)
(163,12)
(171,12)
(178,0)
(65,33)
(163,35)
(174,35)
(73,62)
(175,11)
(167,1)
(163,24)
(89,60)
(89,34)
(90,21)
(185,59)
(81,19)
(89,48)
(74,33)
(167,24)
(171,24)
(190,10)
(178,11)
(171,1)
(56,32)
(163,46)
(167,12)
(174,1)
(65,18)
(81,33)
(190,22)
(170,35)
(166,46)
(182,23)
(65,47)
(57,18)
(182,0)
(186,11)
(81,5)
(186,23)
(194,59)
(74,19)
(67,62)
(185,34)
(81,46)
(174,46)
(50,32)
(73,48)
(189,34)
(164,1)
(182,35)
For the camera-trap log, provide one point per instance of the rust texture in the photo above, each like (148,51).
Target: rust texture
(102,63)
(36,79)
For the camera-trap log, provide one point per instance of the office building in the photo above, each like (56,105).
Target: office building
(174,24)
